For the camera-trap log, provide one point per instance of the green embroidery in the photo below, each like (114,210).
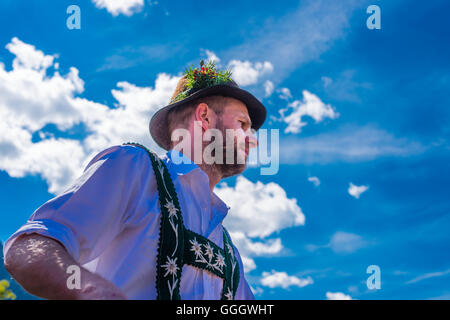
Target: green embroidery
(179,246)
(231,281)
(202,253)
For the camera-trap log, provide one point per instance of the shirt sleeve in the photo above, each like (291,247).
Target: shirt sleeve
(95,208)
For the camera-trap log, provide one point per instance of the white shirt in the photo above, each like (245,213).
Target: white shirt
(109,221)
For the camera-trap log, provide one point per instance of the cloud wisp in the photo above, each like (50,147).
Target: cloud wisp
(298,37)
(342,243)
(347,144)
(356,191)
(429,276)
(314,180)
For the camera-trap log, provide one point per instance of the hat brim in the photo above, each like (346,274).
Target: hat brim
(158,124)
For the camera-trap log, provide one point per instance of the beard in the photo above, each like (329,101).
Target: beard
(230,165)
(228,169)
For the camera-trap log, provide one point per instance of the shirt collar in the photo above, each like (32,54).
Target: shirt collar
(180,163)
(219,203)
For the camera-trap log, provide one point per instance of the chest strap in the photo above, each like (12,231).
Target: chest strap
(179,245)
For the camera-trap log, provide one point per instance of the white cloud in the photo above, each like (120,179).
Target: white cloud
(275,279)
(249,263)
(311,106)
(32,99)
(268,88)
(33,94)
(337,296)
(130,120)
(56,160)
(27,57)
(343,242)
(145,99)
(116,7)
(257,248)
(314,180)
(257,291)
(356,191)
(258,211)
(285,93)
(249,248)
(212,56)
(247,73)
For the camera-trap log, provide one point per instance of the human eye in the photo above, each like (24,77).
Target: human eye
(243,123)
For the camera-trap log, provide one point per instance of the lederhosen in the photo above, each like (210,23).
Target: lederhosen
(179,245)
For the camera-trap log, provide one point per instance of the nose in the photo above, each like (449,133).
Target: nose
(251,140)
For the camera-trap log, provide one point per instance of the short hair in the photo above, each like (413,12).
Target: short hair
(179,116)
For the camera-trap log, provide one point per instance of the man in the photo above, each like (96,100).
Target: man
(139,227)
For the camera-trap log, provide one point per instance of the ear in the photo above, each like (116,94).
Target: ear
(203,114)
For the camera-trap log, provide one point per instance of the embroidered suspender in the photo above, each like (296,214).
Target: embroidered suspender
(179,245)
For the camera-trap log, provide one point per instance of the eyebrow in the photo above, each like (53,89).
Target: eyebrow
(247,118)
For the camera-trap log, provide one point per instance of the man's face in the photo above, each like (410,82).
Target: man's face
(235,125)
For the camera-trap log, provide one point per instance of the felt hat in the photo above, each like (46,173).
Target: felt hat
(202,82)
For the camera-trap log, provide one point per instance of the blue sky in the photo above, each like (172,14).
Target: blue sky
(384,122)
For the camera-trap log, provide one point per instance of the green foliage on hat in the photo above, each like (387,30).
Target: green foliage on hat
(199,78)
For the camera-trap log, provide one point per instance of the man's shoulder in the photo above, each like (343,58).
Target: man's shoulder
(132,153)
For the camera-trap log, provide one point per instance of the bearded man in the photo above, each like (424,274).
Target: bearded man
(136,226)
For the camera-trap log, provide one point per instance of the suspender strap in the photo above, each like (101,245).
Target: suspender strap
(231,281)
(171,236)
(179,246)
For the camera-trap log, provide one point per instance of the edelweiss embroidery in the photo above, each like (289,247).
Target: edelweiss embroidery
(171,266)
(206,257)
(179,246)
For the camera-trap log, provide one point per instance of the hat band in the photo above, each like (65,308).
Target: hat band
(186,93)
